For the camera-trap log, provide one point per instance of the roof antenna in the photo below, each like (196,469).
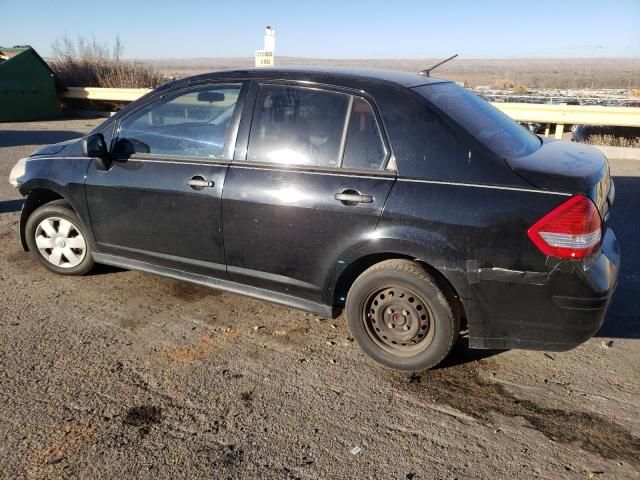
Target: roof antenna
(427,71)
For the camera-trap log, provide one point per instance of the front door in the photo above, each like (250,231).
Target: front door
(160,201)
(310,192)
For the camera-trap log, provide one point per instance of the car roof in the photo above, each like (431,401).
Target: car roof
(323,74)
(358,78)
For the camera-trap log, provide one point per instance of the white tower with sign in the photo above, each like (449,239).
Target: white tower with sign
(265,57)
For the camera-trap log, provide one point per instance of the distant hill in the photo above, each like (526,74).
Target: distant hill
(531,73)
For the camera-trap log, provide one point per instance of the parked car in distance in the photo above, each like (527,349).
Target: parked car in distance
(404,200)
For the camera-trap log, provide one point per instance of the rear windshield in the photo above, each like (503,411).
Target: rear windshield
(487,124)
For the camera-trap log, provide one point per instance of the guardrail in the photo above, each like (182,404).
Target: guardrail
(562,115)
(558,115)
(105,94)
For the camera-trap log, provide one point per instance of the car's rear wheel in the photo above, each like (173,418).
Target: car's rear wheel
(57,239)
(400,317)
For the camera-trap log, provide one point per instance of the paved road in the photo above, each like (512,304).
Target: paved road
(124,375)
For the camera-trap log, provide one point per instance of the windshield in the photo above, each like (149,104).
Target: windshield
(487,124)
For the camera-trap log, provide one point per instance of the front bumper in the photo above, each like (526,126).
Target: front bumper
(556,315)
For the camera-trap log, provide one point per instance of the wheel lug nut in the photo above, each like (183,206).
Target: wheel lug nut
(390,311)
(406,327)
(391,325)
(405,313)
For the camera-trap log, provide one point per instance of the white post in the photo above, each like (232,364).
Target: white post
(269,39)
(265,57)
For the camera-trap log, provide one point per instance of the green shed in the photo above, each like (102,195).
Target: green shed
(27,86)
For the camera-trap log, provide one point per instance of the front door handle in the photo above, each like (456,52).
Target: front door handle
(353,197)
(198,183)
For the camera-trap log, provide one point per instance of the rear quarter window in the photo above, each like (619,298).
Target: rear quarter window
(364,147)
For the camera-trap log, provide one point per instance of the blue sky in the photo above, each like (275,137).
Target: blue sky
(335,29)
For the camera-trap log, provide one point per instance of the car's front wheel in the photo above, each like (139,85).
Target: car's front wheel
(400,317)
(57,239)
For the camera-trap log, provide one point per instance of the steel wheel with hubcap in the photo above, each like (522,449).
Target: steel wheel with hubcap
(60,242)
(400,316)
(55,235)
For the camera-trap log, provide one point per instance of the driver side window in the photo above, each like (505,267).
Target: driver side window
(194,123)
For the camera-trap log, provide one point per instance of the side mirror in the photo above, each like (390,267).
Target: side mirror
(95,146)
(130,146)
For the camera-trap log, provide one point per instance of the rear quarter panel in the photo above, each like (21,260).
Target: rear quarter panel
(476,236)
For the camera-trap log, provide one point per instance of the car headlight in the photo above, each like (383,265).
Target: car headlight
(17,172)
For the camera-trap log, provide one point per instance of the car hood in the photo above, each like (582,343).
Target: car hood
(55,149)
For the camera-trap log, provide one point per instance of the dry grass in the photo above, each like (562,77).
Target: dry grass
(611,140)
(89,63)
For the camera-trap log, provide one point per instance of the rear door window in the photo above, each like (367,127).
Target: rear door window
(193,123)
(319,128)
(297,126)
(364,147)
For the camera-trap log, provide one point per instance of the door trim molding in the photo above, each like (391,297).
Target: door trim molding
(221,267)
(175,160)
(381,174)
(319,309)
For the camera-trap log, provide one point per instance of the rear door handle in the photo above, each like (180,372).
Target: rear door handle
(198,183)
(353,197)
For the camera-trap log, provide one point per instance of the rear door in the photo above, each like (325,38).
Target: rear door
(308,192)
(160,201)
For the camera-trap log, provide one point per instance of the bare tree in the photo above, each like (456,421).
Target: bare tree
(91,63)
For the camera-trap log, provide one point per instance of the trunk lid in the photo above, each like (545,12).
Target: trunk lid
(568,167)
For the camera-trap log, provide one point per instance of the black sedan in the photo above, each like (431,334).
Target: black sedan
(402,199)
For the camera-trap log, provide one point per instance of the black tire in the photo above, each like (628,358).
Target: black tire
(412,313)
(60,210)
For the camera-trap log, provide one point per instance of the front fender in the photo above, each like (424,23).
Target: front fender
(55,178)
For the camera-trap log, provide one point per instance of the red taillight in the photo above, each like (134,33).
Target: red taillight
(572,230)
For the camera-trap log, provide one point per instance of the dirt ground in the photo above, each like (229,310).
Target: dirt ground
(122,374)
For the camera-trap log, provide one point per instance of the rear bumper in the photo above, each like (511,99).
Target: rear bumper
(558,314)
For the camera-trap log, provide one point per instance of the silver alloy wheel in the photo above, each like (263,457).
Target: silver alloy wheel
(60,242)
